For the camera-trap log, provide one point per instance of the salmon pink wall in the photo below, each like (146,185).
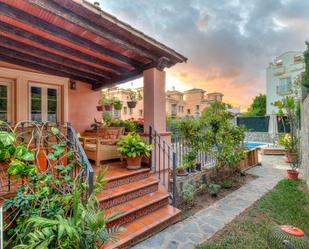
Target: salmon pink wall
(82,106)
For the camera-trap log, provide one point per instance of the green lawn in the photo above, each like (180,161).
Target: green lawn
(288,203)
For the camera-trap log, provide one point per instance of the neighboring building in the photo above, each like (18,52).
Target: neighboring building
(280,76)
(190,103)
(123,95)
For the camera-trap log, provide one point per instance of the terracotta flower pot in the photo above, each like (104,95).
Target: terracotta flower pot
(134,162)
(292,174)
(99,108)
(181,172)
(108,107)
(290,157)
(131,104)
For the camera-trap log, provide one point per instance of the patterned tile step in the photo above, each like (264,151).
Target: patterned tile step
(120,178)
(116,196)
(137,208)
(145,226)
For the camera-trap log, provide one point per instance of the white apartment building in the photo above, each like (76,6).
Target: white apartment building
(280,77)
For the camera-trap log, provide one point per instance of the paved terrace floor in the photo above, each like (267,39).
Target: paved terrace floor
(204,224)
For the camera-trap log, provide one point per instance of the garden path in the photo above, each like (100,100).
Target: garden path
(204,224)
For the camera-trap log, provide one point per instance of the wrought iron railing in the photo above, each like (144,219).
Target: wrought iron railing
(163,160)
(38,137)
(205,158)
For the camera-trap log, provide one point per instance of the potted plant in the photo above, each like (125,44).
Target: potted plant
(106,103)
(190,161)
(181,171)
(293,172)
(134,149)
(290,144)
(107,118)
(289,108)
(134,97)
(117,104)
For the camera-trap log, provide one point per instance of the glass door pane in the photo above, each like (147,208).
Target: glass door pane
(3,103)
(36,104)
(52,107)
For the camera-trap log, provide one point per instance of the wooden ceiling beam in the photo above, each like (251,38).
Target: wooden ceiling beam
(4,27)
(43,69)
(58,32)
(71,17)
(123,78)
(52,65)
(9,43)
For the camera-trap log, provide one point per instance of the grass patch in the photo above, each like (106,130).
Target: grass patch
(288,203)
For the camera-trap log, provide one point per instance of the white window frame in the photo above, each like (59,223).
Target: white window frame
(44,100)
(8,83)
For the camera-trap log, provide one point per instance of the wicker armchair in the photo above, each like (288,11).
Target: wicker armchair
(101,145)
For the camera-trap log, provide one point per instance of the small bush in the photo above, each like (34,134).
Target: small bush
(213,189)
(201,188)
(227,183)
(188,194)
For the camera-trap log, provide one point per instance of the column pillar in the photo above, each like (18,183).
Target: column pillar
(154,100)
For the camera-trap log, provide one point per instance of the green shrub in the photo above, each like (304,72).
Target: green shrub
(227,183)
(213,189)
(188,194)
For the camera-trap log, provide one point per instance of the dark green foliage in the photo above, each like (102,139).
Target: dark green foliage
(213,189)
(258,106)
(50,209)
(227,183)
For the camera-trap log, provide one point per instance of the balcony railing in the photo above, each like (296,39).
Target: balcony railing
(39,139)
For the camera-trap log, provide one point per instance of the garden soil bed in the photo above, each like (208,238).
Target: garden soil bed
(205,200)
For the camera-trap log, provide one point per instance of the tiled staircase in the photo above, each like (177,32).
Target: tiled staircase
(144,204)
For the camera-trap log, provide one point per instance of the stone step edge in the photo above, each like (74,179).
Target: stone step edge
(139,211)
(122,197)
(126,179)
(126,243)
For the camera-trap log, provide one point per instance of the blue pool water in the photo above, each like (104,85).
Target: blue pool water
(253,145)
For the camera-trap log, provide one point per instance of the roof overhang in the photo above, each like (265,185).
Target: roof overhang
(74,39)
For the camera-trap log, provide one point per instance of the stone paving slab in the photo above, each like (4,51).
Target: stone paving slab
(204,224)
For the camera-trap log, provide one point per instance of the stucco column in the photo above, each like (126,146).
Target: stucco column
(154,100)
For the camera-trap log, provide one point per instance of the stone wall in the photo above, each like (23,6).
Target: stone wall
(263,137)
(305,138)
(208,175)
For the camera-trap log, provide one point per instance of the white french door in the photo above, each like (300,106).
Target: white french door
(44,103)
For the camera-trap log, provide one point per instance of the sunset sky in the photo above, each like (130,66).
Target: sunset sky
(229,43)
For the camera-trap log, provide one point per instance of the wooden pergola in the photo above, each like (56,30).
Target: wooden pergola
(77,40)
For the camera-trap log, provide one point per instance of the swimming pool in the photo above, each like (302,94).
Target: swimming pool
(253,145)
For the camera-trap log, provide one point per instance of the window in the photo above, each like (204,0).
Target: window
(188,111)
(117,114)
(141,113)
(44,103)
(5,100)
(125,110)
(174,110)
(285,85)
(197,107)
(130,111)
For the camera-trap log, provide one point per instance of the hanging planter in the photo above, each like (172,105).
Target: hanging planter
(117,105)
(134,96)
(99,108)
(108,107)
(132,104)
